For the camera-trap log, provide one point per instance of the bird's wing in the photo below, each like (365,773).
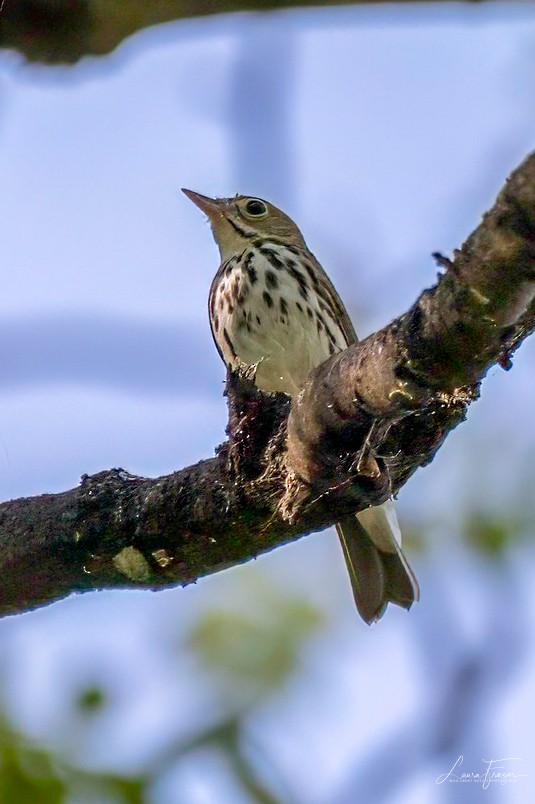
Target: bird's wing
(336,303)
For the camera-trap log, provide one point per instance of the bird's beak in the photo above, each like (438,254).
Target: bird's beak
(210,206)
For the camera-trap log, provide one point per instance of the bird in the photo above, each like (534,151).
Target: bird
(272,306)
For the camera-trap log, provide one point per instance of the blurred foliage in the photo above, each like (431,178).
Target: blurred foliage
(253,655)
(91,699)
(27,774)
(492,535)
(36,775)
(246,657)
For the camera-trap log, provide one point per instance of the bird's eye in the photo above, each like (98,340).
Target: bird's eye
(255,208)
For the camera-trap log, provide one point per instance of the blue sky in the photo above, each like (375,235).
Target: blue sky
(385,134)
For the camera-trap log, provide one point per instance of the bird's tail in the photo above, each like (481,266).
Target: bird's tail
(379,572)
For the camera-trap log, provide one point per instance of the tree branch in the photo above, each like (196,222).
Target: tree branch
(365,421)
(63,31)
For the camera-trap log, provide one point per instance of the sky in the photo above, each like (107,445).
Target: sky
(385,134)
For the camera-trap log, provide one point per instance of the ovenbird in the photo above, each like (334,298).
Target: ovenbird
(272,305)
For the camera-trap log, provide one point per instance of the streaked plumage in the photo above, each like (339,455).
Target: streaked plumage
(272,304)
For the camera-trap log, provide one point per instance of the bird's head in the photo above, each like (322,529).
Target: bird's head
(236,221)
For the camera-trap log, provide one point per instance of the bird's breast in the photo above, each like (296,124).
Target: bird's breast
(266,309)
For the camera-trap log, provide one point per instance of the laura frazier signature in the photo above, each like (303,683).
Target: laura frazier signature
(494,771)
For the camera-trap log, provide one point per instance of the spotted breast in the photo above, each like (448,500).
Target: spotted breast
(263,311)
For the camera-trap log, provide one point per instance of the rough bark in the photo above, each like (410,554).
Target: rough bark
(63,31)
(365,421)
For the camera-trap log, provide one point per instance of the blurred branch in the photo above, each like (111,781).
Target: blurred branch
(63,31)
(366,420)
